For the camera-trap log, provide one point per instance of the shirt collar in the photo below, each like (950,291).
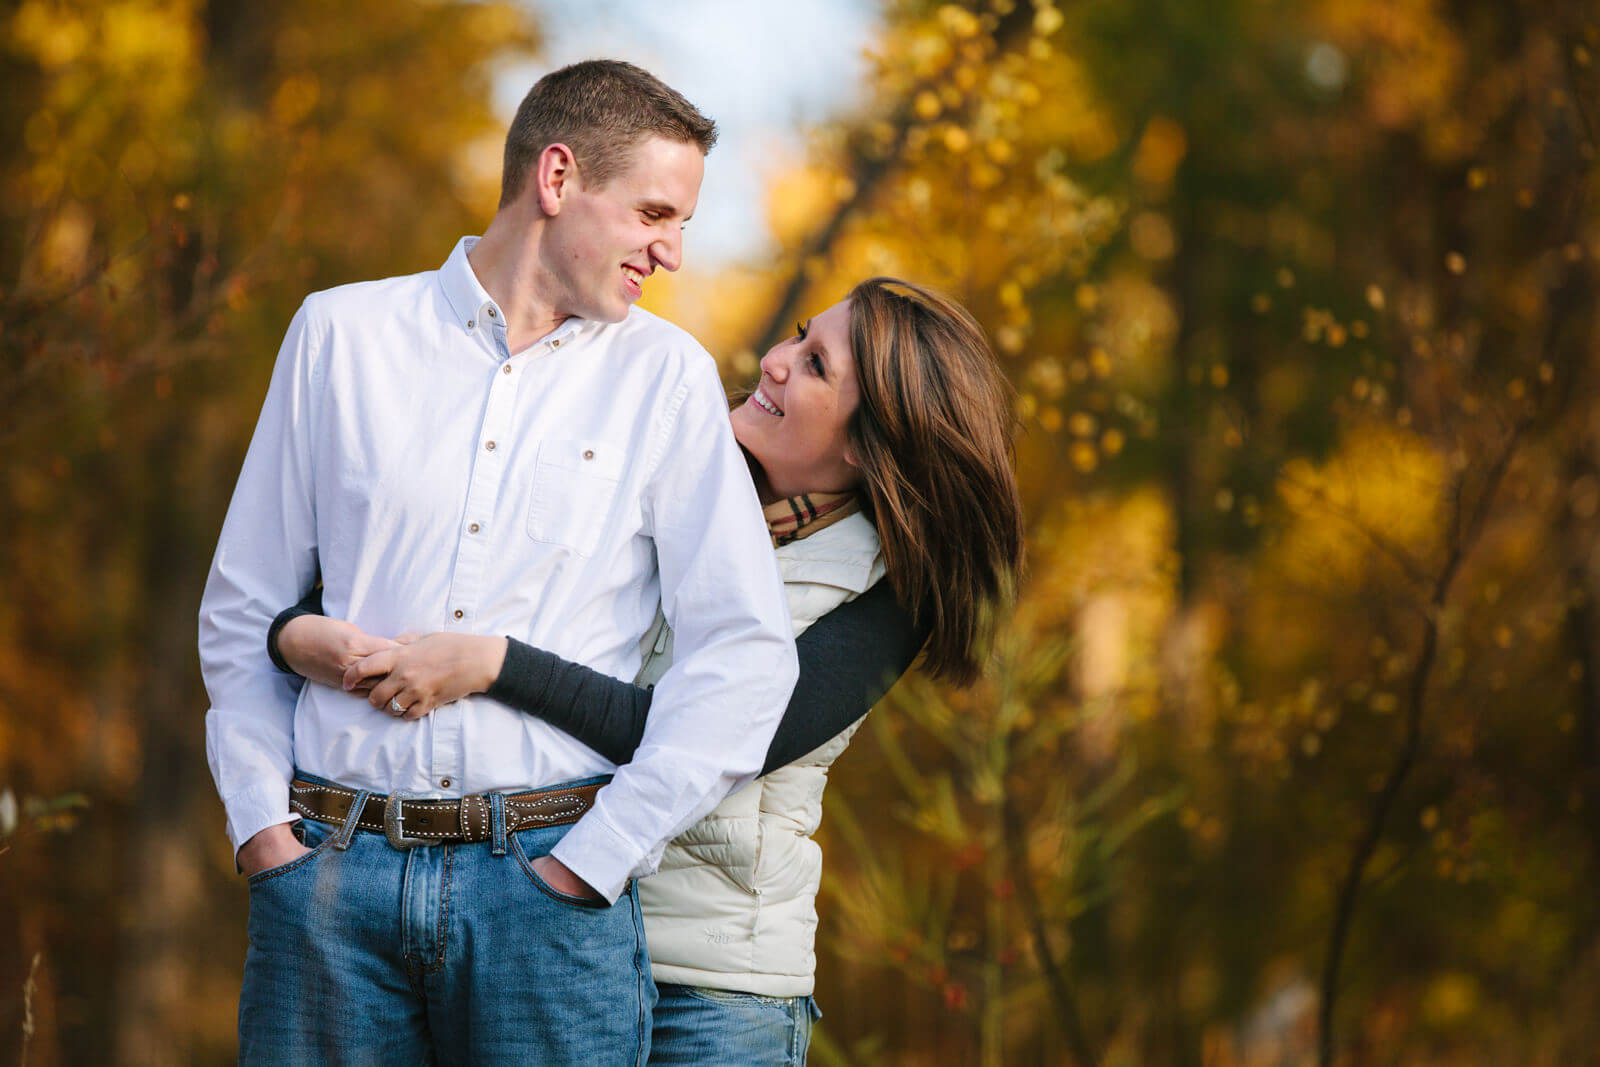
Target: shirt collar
(472,304)
(468,298)
(803,515)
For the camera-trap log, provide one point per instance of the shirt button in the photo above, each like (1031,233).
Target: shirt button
(556,343)
(459,613)
(489,445)
(473,528)
(444,783)
(588,453)
(491,313)
(472,324)
(506,369)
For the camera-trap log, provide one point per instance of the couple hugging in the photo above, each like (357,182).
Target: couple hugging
(515,489)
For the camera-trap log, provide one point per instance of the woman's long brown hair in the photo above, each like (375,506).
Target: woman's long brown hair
(932,438)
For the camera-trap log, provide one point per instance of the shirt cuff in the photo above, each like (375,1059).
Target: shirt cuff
(251,812)
(595,852)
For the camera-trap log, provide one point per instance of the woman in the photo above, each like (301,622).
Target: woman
(879,443)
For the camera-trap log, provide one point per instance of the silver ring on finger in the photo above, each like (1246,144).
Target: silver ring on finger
(396,707)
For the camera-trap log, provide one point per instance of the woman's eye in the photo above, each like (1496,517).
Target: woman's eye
(816,365)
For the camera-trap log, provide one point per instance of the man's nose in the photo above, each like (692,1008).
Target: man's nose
(667,251)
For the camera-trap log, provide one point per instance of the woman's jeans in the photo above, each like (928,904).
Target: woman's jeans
(718,1028)
(444,954)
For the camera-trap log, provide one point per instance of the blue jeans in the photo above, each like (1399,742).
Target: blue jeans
(714,1027)
(445,954)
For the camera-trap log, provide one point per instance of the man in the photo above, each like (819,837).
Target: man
(501,446)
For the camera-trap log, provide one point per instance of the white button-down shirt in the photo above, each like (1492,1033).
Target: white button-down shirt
(438,481)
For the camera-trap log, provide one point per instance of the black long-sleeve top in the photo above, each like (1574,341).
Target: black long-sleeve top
(848,659)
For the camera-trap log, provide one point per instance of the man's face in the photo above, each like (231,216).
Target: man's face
(605,242)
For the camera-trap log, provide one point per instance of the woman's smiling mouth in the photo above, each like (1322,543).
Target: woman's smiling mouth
(762,401)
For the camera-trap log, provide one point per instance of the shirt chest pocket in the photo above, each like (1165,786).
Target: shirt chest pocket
(574,486)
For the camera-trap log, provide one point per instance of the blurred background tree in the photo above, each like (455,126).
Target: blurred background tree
(1291,750)
(181,174)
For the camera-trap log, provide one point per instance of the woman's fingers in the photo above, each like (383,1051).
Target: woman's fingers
(407,637)
(368,669)
(385,691)
(364,644)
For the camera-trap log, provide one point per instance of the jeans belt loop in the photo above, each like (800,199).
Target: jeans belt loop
(497,823)
(347,829)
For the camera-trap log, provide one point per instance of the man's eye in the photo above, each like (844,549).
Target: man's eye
(651,216)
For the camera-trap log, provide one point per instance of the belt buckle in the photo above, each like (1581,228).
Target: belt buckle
(393,817)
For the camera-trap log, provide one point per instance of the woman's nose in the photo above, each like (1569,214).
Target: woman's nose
(774,365)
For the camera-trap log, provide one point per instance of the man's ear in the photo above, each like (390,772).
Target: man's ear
(554,175)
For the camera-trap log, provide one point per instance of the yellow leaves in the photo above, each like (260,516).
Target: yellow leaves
(1450,999)
(295,98)
(137,36)
(1047,20)
(958,22)
(1083,455)
(1455,263)
(1161,148)
(53,36)
(927,106)
(1152,236)
(1382,482)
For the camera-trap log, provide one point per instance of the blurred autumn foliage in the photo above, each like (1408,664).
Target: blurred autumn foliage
(1291,751)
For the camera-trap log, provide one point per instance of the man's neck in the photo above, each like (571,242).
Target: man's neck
(506,262)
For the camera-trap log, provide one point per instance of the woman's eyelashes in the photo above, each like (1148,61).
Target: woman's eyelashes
(814,361)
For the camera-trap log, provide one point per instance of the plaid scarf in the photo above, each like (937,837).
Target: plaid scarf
(803,515)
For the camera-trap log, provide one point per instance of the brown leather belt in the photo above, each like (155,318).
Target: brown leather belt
(409,822)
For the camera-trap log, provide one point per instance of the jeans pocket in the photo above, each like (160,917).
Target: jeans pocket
(316,835)
(567,899)
(735,997)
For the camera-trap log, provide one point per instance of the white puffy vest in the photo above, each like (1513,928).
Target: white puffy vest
(734,903)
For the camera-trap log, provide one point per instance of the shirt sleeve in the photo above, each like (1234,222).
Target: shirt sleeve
(266,556)
(848,659)
(310,604)
(715,710)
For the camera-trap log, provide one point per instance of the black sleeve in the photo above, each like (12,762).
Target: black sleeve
(310,604)
(848,659)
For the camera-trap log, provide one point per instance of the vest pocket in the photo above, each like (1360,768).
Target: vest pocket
(574,484)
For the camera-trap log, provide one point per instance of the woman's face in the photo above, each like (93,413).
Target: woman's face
(794,425)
